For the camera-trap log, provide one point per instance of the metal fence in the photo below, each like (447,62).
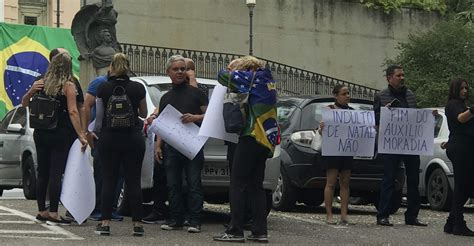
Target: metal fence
(150,60)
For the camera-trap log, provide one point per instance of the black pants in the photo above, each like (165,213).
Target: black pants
(412,171)
(126,150)
(52,149)
(460,153)
(246,184)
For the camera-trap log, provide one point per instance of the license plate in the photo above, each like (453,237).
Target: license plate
(216,171)
(363,157)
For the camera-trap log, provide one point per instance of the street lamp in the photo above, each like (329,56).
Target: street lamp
(251,4)
(58,14)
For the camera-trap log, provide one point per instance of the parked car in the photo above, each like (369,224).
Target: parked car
(302,178)
(215,173)
(17,153)
(436,172)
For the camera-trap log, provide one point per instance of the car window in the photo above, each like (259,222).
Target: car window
(284,112)
(438,124)
(20,117)
(312,113)
(6,120)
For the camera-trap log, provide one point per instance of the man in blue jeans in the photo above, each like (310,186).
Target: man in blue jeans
(397,95)
(192,103)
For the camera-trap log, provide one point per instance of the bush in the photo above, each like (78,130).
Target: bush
(431,60)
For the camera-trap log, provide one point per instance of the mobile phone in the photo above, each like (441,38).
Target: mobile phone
(395,103)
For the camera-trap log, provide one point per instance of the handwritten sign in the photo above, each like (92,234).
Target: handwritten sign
(348,133)
(406,131)
(183,137)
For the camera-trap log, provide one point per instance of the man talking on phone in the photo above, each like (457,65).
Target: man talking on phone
(396,95)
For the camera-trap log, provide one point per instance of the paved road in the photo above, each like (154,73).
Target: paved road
(304,226)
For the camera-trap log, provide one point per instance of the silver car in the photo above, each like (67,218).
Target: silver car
(215,173)
(17,153)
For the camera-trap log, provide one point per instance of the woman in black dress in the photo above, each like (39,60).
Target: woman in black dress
(337,165)
(459,151)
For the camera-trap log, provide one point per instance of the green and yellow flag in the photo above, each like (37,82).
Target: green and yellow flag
(24,55)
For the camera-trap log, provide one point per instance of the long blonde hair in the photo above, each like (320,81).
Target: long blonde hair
(120,64)
(249,63)
(59,72)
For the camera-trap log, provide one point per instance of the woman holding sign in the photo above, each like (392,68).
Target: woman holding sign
(459,151)
(337,165)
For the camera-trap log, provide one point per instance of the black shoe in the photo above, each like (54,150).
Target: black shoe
(448,227)
(462,230)
(41,219)
(415,222)
(225,237)
(258,238)
(154,218)
(384,222)
(60,221)
(102,230)
(170,226)
(138,231)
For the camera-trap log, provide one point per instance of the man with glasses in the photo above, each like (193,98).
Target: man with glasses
(192,103)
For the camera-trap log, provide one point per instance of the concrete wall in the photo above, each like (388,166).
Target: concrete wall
(342,39)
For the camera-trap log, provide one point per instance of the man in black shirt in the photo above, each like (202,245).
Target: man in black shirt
(397,92)
(192,103)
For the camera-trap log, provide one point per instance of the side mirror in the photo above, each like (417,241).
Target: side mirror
(303,138)
(15,128)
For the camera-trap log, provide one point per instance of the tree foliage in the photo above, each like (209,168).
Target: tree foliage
(431,60)
(389,6)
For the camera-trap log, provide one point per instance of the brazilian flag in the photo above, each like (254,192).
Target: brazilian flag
(24,55)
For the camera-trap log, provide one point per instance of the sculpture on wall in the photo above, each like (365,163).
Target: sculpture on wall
(93,28)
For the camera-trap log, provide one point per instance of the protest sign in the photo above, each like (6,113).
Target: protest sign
(348,133)
(406,131)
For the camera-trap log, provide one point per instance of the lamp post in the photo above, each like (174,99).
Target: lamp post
(58,14)
(251,4)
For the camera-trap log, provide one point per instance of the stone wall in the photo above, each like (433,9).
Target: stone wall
(342,39)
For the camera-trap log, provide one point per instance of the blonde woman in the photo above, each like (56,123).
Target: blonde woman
(52,146)
(122,146)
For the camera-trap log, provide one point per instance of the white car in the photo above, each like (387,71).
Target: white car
(17,153)
(215,172)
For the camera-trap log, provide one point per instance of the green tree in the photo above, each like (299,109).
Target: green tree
(432,59)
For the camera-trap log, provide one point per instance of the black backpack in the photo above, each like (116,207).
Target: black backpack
(44,111)
(119,111)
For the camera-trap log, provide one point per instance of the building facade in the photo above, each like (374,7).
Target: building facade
(39,12)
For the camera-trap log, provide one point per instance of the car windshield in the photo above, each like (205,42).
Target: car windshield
(284,112)
(312,113)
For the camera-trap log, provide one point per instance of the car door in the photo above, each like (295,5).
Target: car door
(10,173)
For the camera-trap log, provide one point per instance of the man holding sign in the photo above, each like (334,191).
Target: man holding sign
(397,96)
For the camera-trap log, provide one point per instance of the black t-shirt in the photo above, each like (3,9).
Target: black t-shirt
(453,108)
(134,90)
(185,98)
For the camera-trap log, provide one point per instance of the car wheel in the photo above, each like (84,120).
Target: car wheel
(29,179)
(439,192)
(284,196)
(396,201)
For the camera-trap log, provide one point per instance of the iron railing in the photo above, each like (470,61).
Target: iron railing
(150,60)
